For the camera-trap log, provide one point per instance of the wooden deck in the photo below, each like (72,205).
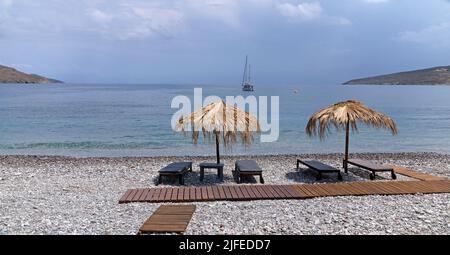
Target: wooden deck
(168,219)
(416,175)
(270,192)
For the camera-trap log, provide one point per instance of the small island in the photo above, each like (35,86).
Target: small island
(9,75)
(430,76)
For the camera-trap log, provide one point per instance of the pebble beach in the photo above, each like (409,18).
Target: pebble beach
(65,195)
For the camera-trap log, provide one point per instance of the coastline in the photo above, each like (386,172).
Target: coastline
(67,195)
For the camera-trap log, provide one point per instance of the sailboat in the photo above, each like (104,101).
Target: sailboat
(246,80)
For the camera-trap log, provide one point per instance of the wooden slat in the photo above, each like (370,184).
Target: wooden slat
(374,188)
(168,219)
(239,193)
(415,187)
(216,193)
(144,195)
(123,199)
(328,189)
(137,195)
(340,189)
(311,190)
(442,186)
(282,189)
(425,187)
(168,194)
(210,193)
(227,192)
(319,189)
(131,195)
(155,228)
(222,192)
(386,188)
(390,189)
(302,190)
(149,195)
(286,189)
(204,193)
(191,194)
(358,190)
(396,188)
(416,175)
(178,211)
(233,192)
(162,194)
(249,191)
(198,194)
(263,192)
(445,185)
(292,191)
(174,196)
(351,190)
(269,191)
(244,192)
(277,191)
(255,192)
(185,194)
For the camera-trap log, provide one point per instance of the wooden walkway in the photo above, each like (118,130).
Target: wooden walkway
(168,219)
(266,192)
(416,175)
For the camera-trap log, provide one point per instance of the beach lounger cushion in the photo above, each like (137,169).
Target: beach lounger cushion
(177,169)
(319,167)
(369,165)
(373,167)
(247,168)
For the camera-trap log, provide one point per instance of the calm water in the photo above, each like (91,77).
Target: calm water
(134,120)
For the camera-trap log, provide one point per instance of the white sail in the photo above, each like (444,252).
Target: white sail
(246,80)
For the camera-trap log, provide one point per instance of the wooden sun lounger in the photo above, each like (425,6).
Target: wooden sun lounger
(319,167)
(373,167)
(247,168)
(176,169)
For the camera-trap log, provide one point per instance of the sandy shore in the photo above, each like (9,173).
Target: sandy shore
(61,195)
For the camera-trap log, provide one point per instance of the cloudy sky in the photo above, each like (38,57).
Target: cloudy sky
(205,41)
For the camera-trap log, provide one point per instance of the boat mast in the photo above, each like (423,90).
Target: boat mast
(249,77)
(245,71)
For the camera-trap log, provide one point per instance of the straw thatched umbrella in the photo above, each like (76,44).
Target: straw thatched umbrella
(346,115)
(220,120)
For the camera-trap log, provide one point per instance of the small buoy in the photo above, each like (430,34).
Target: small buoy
(295,91)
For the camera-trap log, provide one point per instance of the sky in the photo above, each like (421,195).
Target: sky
(289,42)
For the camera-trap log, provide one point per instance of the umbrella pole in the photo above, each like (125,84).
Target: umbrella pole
(347,141)
(217,148)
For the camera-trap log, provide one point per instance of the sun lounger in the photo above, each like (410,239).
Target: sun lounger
(319,167)
(176,169)
(373,167)
(247,168)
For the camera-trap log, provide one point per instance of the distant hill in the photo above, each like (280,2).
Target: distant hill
(431,76)
(11,75)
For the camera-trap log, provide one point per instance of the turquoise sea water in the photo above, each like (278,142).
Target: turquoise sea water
(134,120)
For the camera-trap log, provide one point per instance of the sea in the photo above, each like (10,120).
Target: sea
(99,120)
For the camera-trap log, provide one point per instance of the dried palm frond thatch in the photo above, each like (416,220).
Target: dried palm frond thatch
(220,120)
(346,115)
